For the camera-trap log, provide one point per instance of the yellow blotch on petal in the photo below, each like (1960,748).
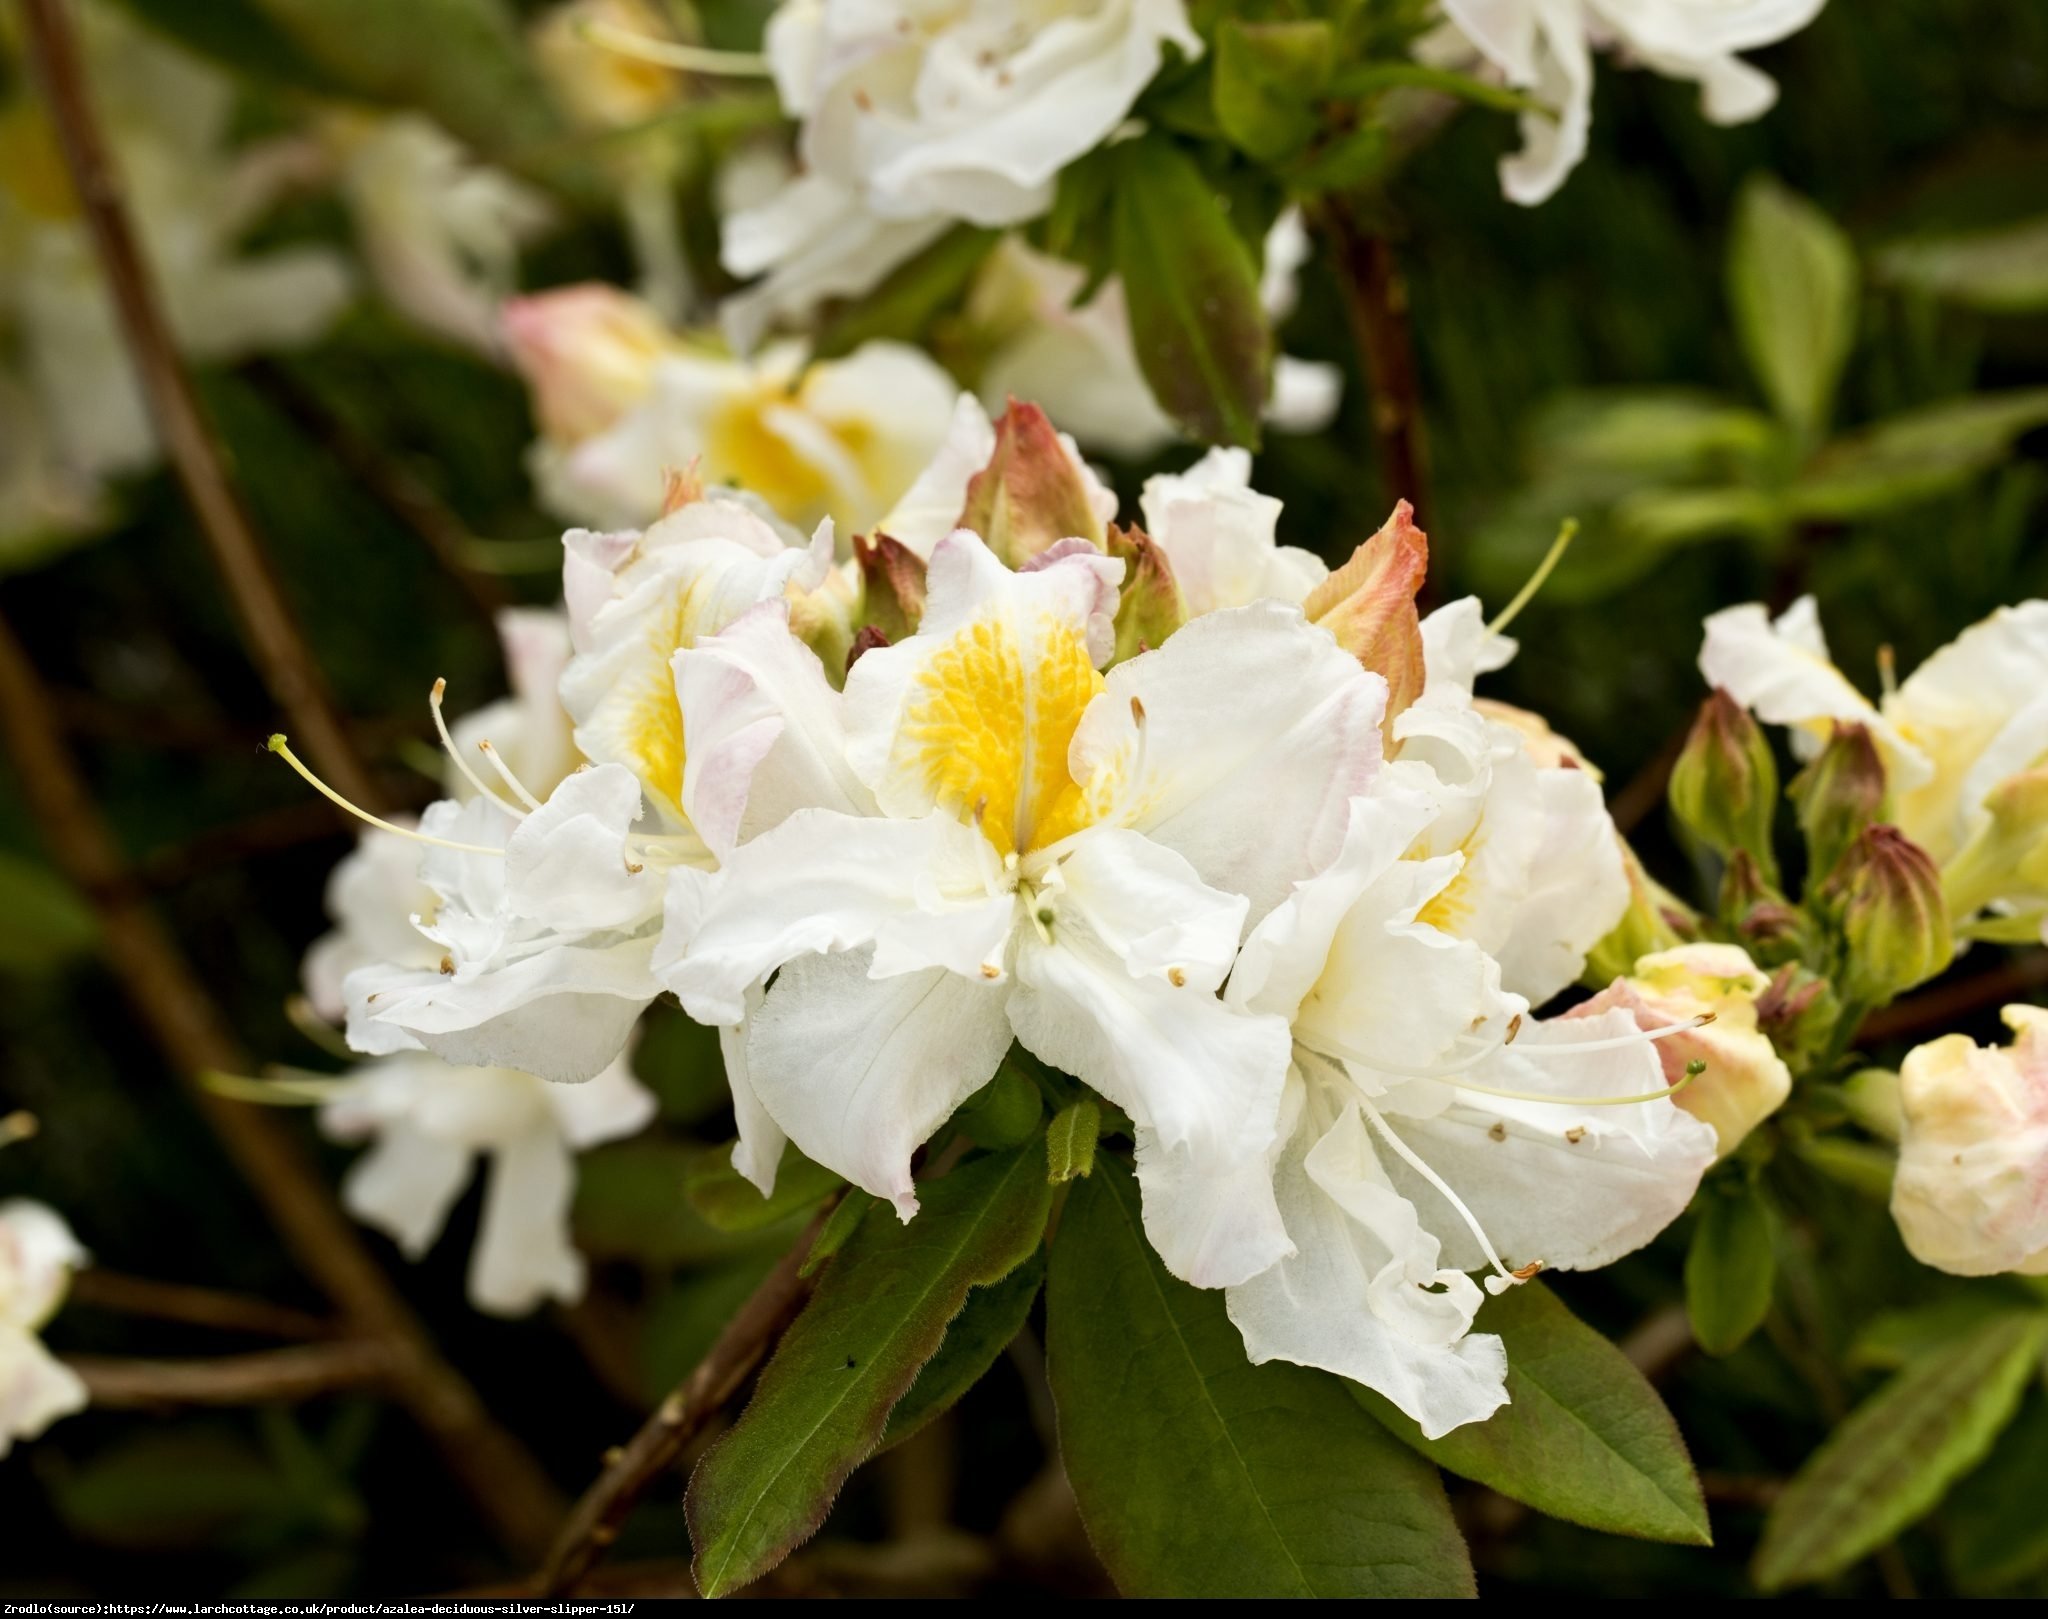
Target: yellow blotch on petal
(988,733)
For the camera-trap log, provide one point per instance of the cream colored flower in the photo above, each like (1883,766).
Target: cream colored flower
(38,1253)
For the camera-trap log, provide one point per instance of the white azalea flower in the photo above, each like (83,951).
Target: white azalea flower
(1971,1194)
(38,1253)
(545,926)
(1971,720)
(529,730)
(984,839)
(1079,363)
(429,1122)
(914,117)
(623,402)
(440,232)
(192,196)
(1218,535)
(1546,47)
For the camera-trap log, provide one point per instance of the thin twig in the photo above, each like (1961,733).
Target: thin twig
(1645,789)
(270,1375)
(389,482)
(599,1515)
(504,1481)
(279,648)
(2015,980)
(1377,302)
(194,1306)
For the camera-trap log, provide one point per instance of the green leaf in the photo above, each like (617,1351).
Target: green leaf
(991,1317)
(910,295)
(630,1205)
(879,1314)
(1193,292)
(1070,1141)
(1267,79)
(1899,1337)
(731,1202)
(45,923)
(1897,1454)
(1584,1437)
(2002,271)
(1731,1266)
(1003,1113)
(1915,456)
(1995,1533)
(236,34)
(1792,281)
(1199,1474)
(1864,1168)
(1373,78)
(839,1225)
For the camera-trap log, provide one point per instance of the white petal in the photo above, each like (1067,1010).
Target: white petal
(861,1070)
(609,1107)
(930,508)
(1257,732)
(523,1255)
(566,865)
(405,1185)
(758,1152)
(1577,891)
(919,890)
(38,1253)
(35,1387)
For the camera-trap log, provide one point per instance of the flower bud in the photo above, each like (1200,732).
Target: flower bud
(1885,898)
(1798,1012)
(1724,788)
(588,355)
(1369,606)
(1765,921)
(1838,795)
(599,86)
(1032,494)
(2007,858)
(1150,608)
(824,619)
(893,577)
(1971,1193)
(1743,1080)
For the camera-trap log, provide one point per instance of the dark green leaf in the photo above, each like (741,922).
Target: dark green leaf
(1201,1475)
(904,304)
(1192,288)
(991,1317)
(45,923)
(1995,1531)
(1267,78)
(236,34)
(840,1224)
(1003,1113)
(630,1204)
(1899,1337)
(879,1314)
(1584,1437)
(731,1202)
(1792,281)
(1899,1451)
(1070,1140)
(1731,1266)
(684,1319)
(1373,78)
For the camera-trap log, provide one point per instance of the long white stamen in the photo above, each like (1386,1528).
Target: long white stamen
(1472,1059)
(505,773)
(292,1087)
(455,755)
(278,746)
(1567,532)
(1616,1042)
(1495,1284)
(1581,1101)
(669,53)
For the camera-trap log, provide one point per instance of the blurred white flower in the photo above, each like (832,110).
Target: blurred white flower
(1971,1193)
(623,402)
(38,1253)
(1546,47)
(914,117)
(429,1121)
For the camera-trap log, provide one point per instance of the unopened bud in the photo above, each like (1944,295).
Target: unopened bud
(1369,606)
(1838,795)
(1971,1192)
(1885,900)
(1766,922)
(2007,858)
(826,618)
(1724,788)
(588,354)
(1150,608)
(892,579)
(1032,494)
(599,85)
(1798,1012)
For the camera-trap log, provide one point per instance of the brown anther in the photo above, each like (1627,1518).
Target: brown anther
(864,101)
(634,868)
(980,808)
(1523,1273)
(990,970)
(1575,1134)
(1177,978)
(447,966)
(440,689)
(1704,1019)
(1499,1132)
(1137,711)
(1514,1028)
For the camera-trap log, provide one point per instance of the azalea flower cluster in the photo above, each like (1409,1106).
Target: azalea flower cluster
(1175,810)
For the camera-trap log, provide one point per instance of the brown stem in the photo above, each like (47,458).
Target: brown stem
(300,1373)
(504,1481)
(2016,980)
(1645,789)
(1377,302)
(194,1306)
(601,1512)
(390,483)
(280,651)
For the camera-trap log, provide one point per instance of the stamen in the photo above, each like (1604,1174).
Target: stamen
(299,1013)
(669,53)
(278,746)
(505,773)
(1616,1042)
(448,746)
(1692,1071)
(290,1087)
(1567,532)
(1887,670)
(1495,1284)
(17,1126)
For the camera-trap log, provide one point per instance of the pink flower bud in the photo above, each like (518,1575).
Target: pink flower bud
(588,354)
